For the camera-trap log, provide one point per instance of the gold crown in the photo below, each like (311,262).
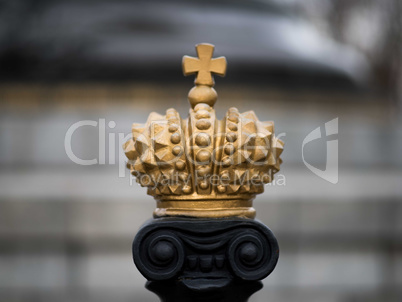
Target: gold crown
(202,166)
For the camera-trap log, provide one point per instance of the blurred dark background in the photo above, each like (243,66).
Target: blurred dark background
(66,229)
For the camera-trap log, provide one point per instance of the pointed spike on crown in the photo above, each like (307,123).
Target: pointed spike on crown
(137,129)
(203,167)
(129,149)
(269,126)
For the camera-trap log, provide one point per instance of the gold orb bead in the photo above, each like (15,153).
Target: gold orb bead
(229,149)
(226,162)
(203,156)
(221,189)
(203,139)
(232,127)
(202,106)
(170,113)
(204,185)
(204,171)
(177,150)
(224,174)
(175,138)
(231,137)
(266,179)
(180,165)
(202,114)
(173,127)
(186,189)
(183,176)
(233,118)
(203,124)
(202,94)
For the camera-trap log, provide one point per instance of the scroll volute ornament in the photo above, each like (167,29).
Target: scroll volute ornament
(201,166)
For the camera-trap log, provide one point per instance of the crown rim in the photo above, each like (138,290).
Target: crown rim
(207,208)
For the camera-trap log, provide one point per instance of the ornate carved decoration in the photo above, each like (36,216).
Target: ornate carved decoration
(201,166)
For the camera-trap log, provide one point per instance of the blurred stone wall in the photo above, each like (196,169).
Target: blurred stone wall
(66,230)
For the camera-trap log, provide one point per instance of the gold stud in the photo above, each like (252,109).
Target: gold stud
(173,127)
(203,124)
(180,165)
(221,189)
(186,189)
(226,162)
(203,156)
(204,185)
(229,149)
(183,176)
(203,139)
(233,118)
(175,138)
(202,106)
(232,127)
(204,171)
(177,150)
(202,114)
(231,137)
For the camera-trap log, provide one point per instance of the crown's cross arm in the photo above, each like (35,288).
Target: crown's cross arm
(204,65)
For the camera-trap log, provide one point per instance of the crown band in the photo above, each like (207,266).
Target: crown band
(205,197)
(206,208)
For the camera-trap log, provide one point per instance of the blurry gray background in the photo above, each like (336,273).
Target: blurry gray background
(66,229)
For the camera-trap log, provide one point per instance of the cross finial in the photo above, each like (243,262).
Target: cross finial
(204,65)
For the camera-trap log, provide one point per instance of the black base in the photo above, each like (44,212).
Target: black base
(205,251)
(176,291)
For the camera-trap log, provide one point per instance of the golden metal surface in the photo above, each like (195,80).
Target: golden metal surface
(210,209)
(204,66)
(200,166)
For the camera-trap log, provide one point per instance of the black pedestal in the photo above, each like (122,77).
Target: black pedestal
(205,252)
(176,291)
